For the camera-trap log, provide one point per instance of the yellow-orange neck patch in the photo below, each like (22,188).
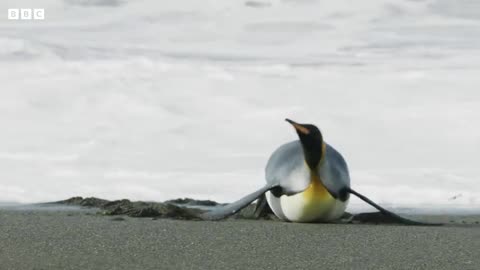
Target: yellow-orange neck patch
(316,190)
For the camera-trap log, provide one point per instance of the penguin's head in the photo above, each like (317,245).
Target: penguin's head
(312,142)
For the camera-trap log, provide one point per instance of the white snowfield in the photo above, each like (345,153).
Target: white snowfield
(152,100)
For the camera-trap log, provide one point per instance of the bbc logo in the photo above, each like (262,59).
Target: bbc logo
(26,14)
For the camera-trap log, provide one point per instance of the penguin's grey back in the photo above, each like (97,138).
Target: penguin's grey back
(287,168)
(334,171)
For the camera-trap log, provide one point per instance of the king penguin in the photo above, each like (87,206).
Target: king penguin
(307,180)
(313,177)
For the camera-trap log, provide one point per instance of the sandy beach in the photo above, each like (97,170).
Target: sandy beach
(72,238)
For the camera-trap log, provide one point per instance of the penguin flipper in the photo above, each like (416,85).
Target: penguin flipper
(234,207)
(384,211)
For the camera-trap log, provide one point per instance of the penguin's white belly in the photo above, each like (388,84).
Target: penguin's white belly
(313,204)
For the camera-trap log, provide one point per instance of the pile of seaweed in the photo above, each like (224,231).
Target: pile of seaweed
(191,209)
(183,209)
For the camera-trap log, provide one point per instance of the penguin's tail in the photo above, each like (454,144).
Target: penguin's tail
(384,211)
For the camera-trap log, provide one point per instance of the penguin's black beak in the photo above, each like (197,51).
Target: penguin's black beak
(299,127)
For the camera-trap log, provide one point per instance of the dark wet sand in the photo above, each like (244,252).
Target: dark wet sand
(69,239)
